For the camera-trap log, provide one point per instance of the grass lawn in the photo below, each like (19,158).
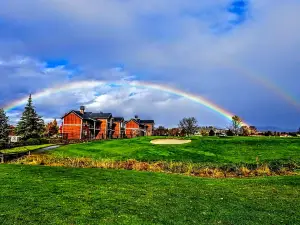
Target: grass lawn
(201,149)
(56,195)
(24,148)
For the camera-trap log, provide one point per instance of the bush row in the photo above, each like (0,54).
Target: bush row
(31,141)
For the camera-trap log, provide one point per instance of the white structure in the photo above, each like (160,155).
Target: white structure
(14,139)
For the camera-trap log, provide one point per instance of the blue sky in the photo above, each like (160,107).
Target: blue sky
(216,49)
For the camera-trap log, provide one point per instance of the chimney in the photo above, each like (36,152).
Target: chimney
(136,117)
(82,108)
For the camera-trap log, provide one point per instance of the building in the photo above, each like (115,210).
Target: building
(118,127)
(136,127)
(12,130)
(89,125)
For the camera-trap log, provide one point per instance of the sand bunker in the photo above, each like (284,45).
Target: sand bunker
(169,141)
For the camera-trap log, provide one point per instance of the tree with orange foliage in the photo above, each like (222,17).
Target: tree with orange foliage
(52,128)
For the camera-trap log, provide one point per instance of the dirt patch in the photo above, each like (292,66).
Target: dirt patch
(169,141)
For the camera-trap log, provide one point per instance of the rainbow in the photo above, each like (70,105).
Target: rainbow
(94,83)
(261,80)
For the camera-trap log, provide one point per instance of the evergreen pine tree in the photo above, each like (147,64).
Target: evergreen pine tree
(31,125)
(4,126)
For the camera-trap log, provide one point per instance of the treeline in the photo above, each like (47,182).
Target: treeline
(189,126)
(30,128)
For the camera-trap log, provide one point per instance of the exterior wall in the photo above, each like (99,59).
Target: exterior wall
(149,131)
(132,129)
(103,129)
(117,130)
(72,126)
(12,131)
(86,134)
(72,118)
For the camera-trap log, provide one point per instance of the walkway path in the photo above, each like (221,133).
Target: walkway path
(42,150)
(14,156)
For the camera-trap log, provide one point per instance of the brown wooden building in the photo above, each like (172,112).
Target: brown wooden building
(118,127)
(136,127)
(88,125)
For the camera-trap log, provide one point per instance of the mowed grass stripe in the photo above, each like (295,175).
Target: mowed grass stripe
(201,149)
(55,195)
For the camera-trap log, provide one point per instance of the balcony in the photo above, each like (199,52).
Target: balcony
(91,127)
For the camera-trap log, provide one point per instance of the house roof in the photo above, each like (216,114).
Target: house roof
(101,115)
(136,121)
(73,111)
(140,122)
(146,121)
(90,115)
(118,119)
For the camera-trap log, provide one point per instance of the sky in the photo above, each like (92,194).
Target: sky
(240,55)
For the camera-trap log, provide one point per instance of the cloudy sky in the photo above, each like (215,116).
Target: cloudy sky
(240,55)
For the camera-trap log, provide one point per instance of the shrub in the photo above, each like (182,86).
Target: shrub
(33,141)
(2,144)
(44,141)
(212,133)
(229,133)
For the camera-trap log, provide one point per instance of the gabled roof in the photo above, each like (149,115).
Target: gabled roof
(89,115)
(140,122)
(85,116)
(75,112)
(101,115)
(136,121)
(146,121)
(118,119)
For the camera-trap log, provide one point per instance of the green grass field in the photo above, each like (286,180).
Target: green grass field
(24,148)
(31,194)
(200,150)
(56,195)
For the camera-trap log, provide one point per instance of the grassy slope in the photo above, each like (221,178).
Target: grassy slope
(44,195)
(206,149)
(24,148)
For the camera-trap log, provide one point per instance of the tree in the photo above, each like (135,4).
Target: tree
(161,131)
(229,133)
(212,132)
(246,131)
(299,130)
(4,126)
(188,125)
(236,124)
(204,132)
(31,125)
(253,130)
(269,133)
(174,132)
(52,128)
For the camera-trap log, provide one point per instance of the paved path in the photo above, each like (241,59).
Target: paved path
(42,150)
(10,157)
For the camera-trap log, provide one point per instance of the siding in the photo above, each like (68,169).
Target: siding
(72,118)
(72,126)
(149,131)
(103,129)
(117,130)
(132,129)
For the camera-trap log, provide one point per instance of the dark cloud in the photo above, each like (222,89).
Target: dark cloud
(188,46)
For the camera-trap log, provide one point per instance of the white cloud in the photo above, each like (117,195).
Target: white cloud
(162,40)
